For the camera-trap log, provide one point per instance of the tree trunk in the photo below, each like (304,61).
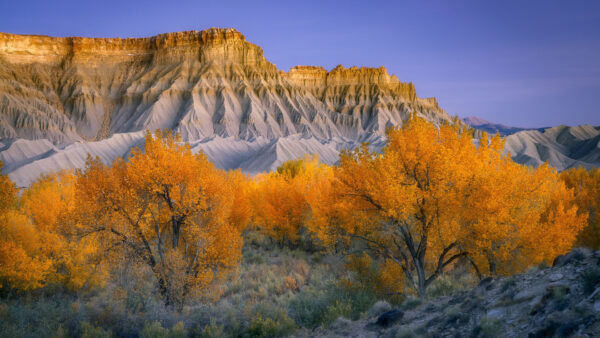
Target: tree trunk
(421,279)
(176,228)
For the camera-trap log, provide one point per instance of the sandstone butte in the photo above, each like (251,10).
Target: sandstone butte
(62,98)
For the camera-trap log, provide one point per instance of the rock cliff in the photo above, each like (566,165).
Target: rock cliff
(75,95)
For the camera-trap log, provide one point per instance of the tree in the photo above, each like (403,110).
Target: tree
(37,248)
(167,208)
(49,204)
(586,184)
(281,209)
(433,197)
(22,264)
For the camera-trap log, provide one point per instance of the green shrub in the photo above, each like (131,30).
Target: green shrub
(410,303)
(441,287)
(213,330)
(336,310)
(90,331)
(490,328)
(155,330)
(271,327)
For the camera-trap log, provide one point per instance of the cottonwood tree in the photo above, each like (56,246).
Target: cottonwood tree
(586,184)
(168,208)
(22,263)
(279,199)
(433,197)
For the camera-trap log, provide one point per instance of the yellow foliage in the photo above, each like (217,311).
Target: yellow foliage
(433,197)
(279,198)
(586,185)
(168,208)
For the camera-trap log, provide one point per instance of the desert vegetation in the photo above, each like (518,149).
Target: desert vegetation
(167,245)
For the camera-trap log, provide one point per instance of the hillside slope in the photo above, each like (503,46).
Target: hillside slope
(561,301)
(563,147)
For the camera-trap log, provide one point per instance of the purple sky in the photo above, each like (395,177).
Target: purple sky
(521,63)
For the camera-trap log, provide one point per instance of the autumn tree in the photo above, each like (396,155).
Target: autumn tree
(22,263)
(37,248)
(168,208)
(49,204)
(586,184)
(434,197)
(279,199)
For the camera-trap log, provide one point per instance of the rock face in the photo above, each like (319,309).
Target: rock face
(63,97)
(562,301)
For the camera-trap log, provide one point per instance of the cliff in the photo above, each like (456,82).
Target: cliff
(207,85)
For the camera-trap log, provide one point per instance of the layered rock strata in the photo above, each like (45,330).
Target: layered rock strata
(77,95)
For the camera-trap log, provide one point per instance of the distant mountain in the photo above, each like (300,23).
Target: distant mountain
(494,128)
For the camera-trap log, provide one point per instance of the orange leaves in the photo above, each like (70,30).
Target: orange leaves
(434,196)
(280,198)
(170,209)
(586,187)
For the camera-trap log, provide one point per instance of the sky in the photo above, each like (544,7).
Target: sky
(522,63)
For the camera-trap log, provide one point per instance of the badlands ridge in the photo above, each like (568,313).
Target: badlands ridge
(62,98)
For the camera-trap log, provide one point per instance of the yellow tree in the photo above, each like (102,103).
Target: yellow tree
(168,208)
(586,184)
(22,263)
(279,199)
(433,197)
(49,204)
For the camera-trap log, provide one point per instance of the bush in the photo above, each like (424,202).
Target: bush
(410,303)
(90,331)
(155,330)
(311,308)
(441,287)
(271,327)
(591,278)
(490,328)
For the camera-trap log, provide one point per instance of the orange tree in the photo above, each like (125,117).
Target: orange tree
(586,184)
(433,197)
(23,264)
(168,208)
(279,199)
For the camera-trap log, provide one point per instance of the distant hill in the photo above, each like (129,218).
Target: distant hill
(563,147)
(493,128)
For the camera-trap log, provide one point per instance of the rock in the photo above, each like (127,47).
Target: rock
(576,255)
(496,313)
(527,294)
(379,308)
(555,277)
(485,281)
(389,318)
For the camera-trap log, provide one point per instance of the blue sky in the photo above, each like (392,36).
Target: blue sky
(522,63)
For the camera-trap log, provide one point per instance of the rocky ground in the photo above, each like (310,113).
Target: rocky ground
(561,301)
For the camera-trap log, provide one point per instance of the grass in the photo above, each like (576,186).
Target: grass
(273,292)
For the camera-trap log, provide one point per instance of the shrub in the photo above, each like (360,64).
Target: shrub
(490,328)
(591,278)
(410,303)
(155,330)
(213,330)
(271,327)
(90,331)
